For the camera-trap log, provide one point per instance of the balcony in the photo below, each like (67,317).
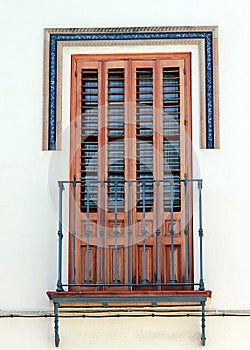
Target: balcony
(131,243)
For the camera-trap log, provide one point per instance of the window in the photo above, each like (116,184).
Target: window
(131,195)
(130,145)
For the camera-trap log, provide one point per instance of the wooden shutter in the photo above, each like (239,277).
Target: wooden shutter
(132,127)
(89,136)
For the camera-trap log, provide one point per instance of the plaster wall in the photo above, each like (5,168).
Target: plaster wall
(28,219)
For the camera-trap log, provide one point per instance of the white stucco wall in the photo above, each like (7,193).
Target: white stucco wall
(28,221)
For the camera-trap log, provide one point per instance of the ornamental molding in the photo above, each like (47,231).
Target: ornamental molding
(205,38)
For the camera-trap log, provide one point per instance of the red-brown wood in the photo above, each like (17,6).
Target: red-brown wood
(181,293)
(130,63)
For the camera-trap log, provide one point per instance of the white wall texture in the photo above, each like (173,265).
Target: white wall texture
(28,221)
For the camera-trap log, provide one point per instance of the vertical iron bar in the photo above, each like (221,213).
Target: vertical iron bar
(172,230)
(130,232)
(201,235)
(60,238)
(116,234)
(186,230)
(144,280)
(73,231)
(101,229)
(56,321)
(203,324)
(158,232)
(87,280)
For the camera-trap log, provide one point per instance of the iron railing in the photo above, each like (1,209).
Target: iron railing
(169,199)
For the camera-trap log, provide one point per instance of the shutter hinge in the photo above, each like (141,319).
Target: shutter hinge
(185,122)
(75,73)
(185,176)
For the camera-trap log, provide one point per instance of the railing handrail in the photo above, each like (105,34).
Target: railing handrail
(172,182)
(127,181)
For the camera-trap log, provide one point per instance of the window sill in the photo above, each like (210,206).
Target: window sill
(123,298)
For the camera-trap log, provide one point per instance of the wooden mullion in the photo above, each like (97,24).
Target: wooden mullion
(102,151)
(132,156)
(188,147)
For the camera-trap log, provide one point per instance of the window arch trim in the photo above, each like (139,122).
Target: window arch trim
(206,38)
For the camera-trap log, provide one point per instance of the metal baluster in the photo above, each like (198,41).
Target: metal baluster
(60,238)
(158,232)
(144,281)
(130,232)
(172,230)
(201,235)
(87,280)
(186,230)
(73,230)
(101,229)
(116,235)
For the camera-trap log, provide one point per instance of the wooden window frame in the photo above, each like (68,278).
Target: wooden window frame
(104,62)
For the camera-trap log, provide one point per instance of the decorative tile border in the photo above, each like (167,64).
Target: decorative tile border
(205,38)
